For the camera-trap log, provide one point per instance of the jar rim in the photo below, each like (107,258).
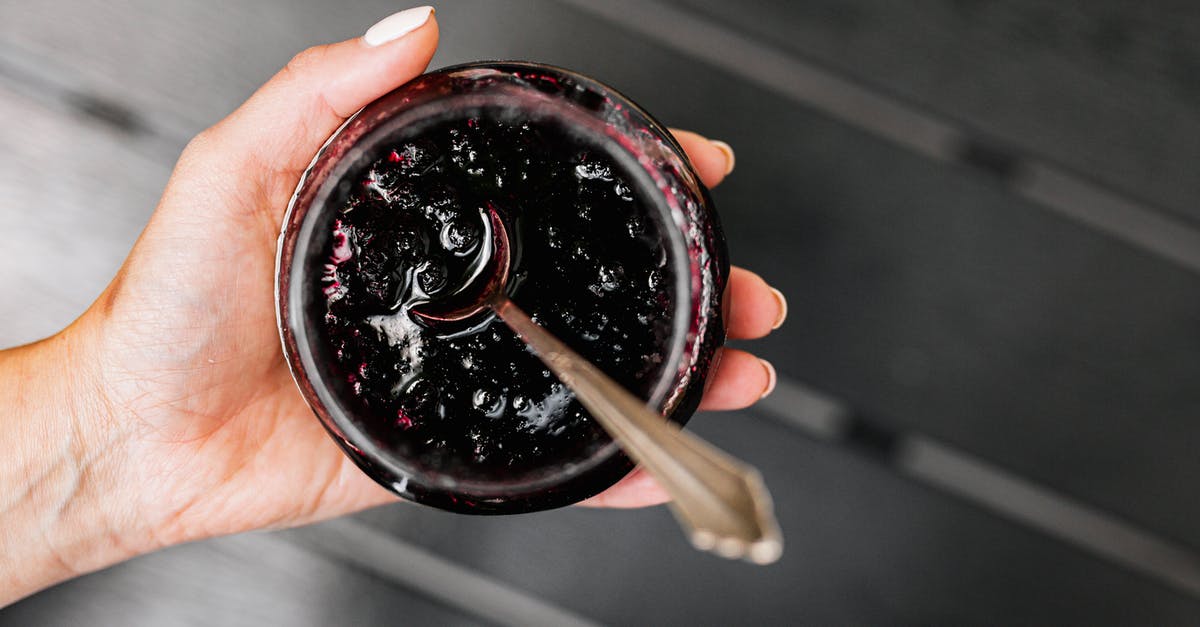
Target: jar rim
(385,120)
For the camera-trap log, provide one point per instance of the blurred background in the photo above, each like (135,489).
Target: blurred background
(984,214)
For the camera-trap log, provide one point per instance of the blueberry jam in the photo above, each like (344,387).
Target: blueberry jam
(590,264)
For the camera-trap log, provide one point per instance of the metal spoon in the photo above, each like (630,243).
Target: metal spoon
(720,501)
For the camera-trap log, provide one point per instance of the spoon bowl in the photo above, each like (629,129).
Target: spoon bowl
(480,292)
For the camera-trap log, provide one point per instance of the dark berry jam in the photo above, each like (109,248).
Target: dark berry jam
(615,247)
(589,264)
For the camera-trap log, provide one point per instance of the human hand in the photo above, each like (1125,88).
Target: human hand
(184,417)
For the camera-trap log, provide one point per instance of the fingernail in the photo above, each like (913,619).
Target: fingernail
(726,150)
(397,25)
(782,308)
(770,379)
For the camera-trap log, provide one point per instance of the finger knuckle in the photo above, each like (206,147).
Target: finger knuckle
(201,143)
(304,60)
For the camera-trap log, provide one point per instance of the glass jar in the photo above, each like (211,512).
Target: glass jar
(586,114)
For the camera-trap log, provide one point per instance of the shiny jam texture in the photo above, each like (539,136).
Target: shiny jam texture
(471,401)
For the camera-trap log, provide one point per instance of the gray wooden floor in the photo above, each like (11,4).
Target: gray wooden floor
(985,216)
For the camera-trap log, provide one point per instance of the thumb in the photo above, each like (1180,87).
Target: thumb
(290,117)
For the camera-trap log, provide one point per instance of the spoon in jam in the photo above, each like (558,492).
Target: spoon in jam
(720,501)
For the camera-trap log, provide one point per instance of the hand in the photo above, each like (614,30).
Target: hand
(184,421)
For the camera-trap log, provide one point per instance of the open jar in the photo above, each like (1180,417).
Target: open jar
(616,250)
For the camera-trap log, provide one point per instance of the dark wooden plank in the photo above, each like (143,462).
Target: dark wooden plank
(939,303)
(380,552)
(1106,88)
(810,86)
(863,547)
(250,580)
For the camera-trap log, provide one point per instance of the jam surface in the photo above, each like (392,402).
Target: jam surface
(469,400)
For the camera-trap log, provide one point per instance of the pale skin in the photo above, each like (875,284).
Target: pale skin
(166,414)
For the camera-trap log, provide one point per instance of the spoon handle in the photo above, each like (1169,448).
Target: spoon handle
(719,500)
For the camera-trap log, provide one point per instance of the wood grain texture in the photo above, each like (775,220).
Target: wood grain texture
(937,302)
(1106,88)
(250,580)
(864,547)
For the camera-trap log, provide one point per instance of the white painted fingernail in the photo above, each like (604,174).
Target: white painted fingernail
(771,378)
(726,150)
(782,308)
(397,25)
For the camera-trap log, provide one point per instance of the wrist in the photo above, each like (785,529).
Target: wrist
(61,514)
